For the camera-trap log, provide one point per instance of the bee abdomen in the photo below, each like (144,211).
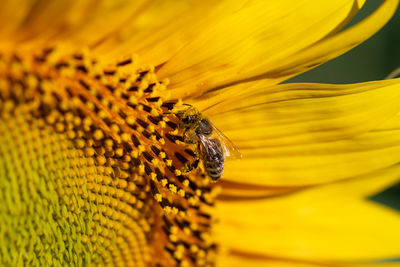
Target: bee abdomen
(215,173)
(214,159)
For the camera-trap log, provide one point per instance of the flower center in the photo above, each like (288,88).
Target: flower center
(115,162)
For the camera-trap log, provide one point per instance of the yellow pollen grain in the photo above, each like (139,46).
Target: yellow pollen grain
(115,128)
(194,226)
(155,162)
(119,152)
(141,148)
(141,169)
(105,102)
(115,108)
(167,209)
(186,182)
(89,151)
(102,114)
(193,201)
(187,231)
(154,112)
(178,254)
(125,137)
(194,249)
(133,100)
(198,192)
(135,154)
(90,105)
(181,192)
(175,210)
(98,134)
(172,188)
(174,230)
(130,120)
(173,238)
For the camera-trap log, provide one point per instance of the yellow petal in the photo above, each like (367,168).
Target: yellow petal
(164,27)
(82,22)
(299,113)
(315,163)
(335,45)
(12,13)
(155,30)
(302,134)
(251,41)
(244,190)
(238,260)
(234,260)
(332,223)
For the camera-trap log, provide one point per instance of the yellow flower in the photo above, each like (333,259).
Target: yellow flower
(97,167)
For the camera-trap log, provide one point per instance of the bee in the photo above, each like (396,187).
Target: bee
(212,145)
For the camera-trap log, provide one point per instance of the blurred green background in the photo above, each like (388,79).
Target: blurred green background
(372,60)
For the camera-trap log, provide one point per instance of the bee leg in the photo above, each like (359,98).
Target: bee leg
(194,164)
(191,166)
(189,137)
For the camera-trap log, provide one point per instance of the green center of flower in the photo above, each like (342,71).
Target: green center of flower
(92,167)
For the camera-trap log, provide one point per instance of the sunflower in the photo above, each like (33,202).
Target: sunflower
(100,165)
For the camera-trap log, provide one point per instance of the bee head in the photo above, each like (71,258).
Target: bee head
(204,127)
(189,117)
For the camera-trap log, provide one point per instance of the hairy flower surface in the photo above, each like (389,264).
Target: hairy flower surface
(96,167)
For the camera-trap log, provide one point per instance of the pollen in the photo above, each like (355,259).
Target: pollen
(95,165)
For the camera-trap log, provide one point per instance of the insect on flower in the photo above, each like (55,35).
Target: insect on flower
(212,145)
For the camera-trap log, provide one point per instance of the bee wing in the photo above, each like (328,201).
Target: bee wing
(230,150)
(208,145)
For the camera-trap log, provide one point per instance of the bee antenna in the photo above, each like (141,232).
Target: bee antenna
(187,105)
